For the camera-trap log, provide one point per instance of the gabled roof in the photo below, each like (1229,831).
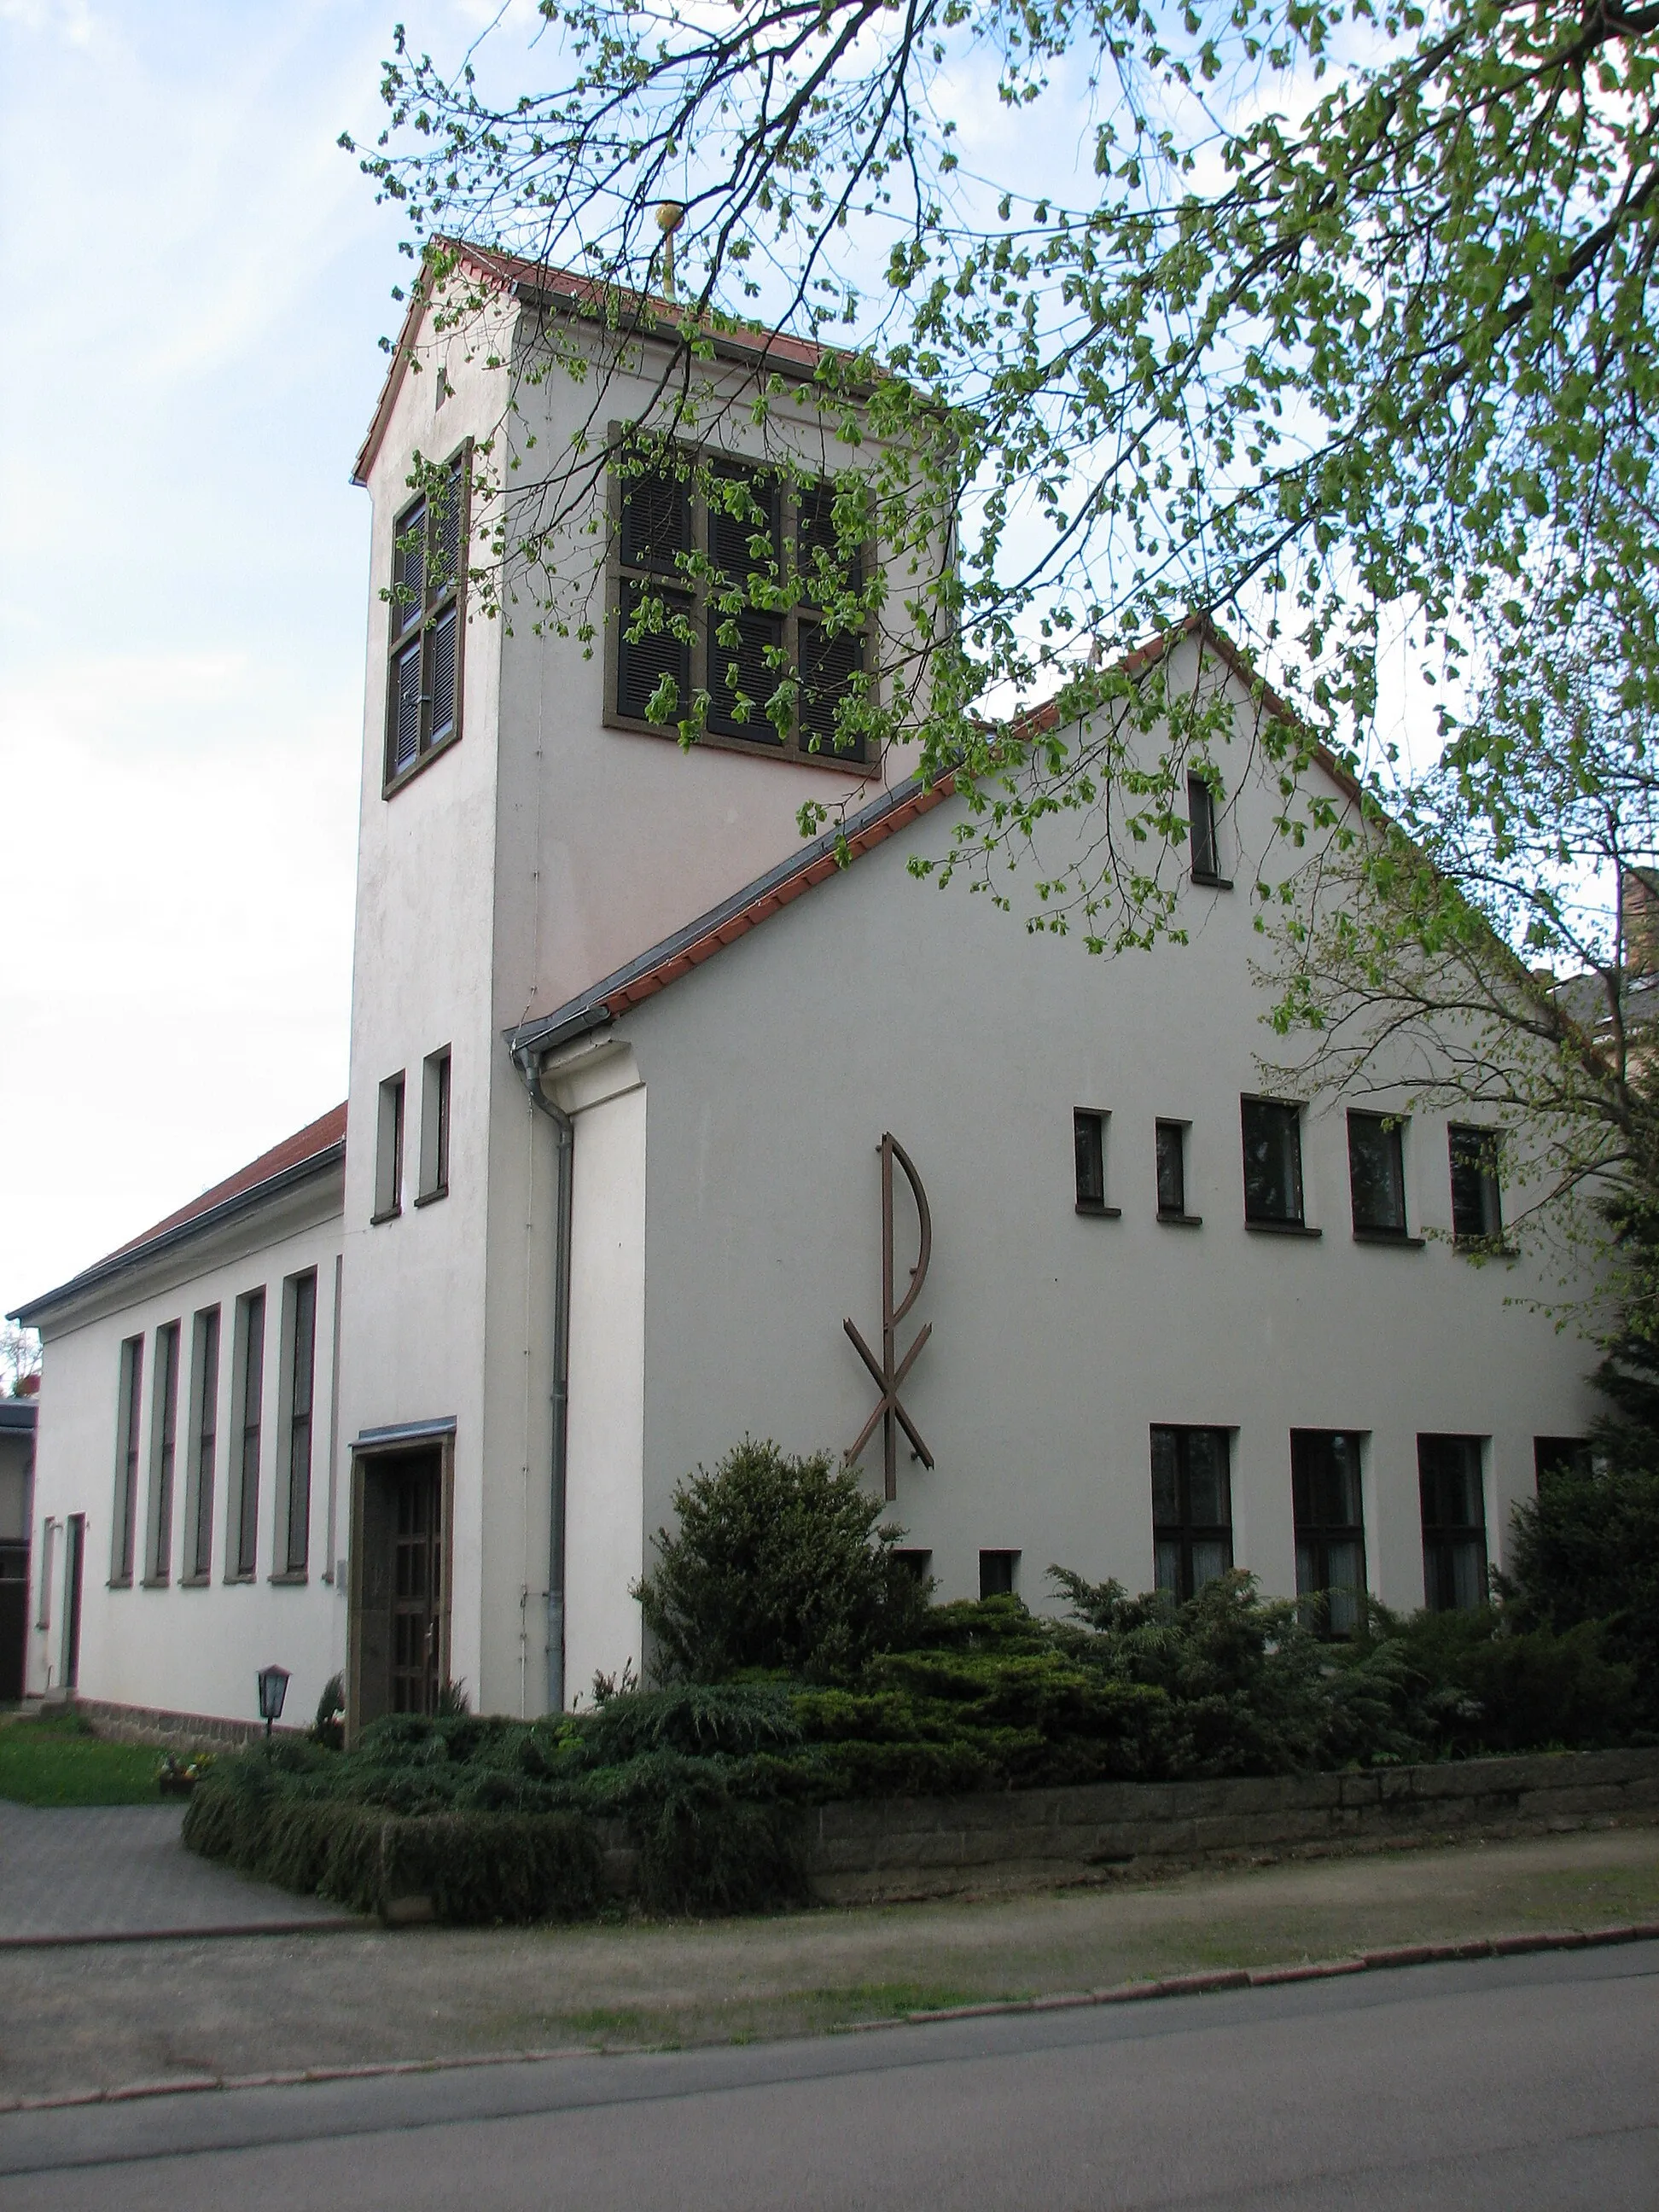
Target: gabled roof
(308,1153)
(734,917)
(540,284)
(666,961)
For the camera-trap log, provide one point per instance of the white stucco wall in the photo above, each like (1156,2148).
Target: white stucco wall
(176,1646)
(877,1003)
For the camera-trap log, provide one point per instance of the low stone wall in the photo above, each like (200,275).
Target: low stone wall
(171,1731)
(885,1848)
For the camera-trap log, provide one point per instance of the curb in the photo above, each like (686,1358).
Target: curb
(342,1926)
(1172,1985)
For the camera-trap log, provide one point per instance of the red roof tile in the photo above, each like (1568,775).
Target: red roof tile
(564,288)
(304,1144)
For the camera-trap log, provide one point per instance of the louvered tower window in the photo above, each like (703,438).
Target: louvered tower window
(428,579)
(731,585)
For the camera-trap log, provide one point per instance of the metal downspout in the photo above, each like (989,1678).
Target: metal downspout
(529,1068)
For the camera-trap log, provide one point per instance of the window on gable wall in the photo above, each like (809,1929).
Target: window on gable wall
(1204,846)
(1273,1163)
(731,585)
(426,615)
(1192,1508)
(1476,1194)
(1377,1174)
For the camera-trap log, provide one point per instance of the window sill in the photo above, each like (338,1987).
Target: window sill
(157,1582)
(1207,883)
(245,1582)
(1181,1220)
(393,784)
(119,1582)
(291,1577)
(1100,1212)
(390,1214)
(754,748)
(1389,1236)
(431,1197)
(1282,1229)
(196,1581)
(1486,1248)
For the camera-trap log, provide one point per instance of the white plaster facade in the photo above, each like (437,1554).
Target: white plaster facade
(724,1213)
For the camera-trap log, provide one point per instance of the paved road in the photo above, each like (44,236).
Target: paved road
(81,1872)
(1512,2083)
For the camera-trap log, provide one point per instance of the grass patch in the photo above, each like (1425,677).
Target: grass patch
(54,1759)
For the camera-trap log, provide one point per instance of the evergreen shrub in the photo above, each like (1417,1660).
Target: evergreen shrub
(777,1564)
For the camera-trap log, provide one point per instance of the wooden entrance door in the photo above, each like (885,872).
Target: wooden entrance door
(417,1587)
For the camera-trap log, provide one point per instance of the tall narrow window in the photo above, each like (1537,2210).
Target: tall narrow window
(1273,1163)
(1377,1174)
(1330,1528)
(435,1127)
(1192,1508)
(1172,1172)
(124,1518)
(1089,1145)
(205,1440)
(164,1446)
(297,1416)
(423,681)
(1476,1196)
(1204,849)
(389,1151)
(250,1408)
(1453,1495)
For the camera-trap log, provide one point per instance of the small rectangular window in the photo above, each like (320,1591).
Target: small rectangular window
(163,1453)
(205,1442)
(1561,1455)
(1192,1508)
(1204,849)
(427,620)
(435,1127)
(914,1562)
(301,1302)
(1453,1498)
(250,1409)
(389,1151)
(1476,1196)
(125,1519)
(1089,1145)
(1330,1529)
(1172,1172)
(1377,1174)
(1273,1163)
(998,1573)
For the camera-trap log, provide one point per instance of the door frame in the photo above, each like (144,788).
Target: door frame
(369,1454)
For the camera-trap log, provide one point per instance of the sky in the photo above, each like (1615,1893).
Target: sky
(197,278)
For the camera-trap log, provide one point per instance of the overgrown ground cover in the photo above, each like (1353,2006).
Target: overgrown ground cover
(55,1758)
(495,1819)
(801,1660)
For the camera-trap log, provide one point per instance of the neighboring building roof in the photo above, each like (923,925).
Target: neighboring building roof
(309,1152)
(540,284)
(666,961)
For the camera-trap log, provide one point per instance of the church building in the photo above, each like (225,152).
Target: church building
(667,1126)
